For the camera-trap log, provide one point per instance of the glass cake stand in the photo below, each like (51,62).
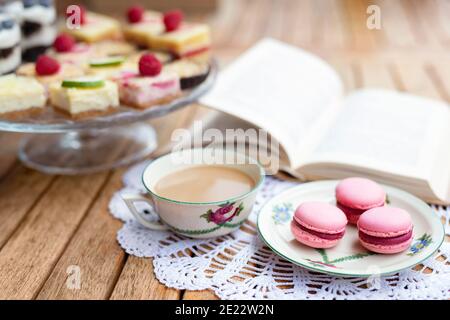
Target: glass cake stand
(56,144)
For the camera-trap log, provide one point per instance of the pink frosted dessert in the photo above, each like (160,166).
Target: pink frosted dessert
(318,225)
(385,230)
(354,196)
(143,92)
(150,87)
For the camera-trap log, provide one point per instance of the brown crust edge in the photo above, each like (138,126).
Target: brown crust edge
(153,103)
(15,115)
(86,114)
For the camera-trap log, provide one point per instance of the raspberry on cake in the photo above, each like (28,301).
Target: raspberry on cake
(150,87)
(189,40)
(38,28)
(163,57)
(67,50)
(84,97)
(20,95)
(48,70)
(10,54)
(141,25)
(95,27)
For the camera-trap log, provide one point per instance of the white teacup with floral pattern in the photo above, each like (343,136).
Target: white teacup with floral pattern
(202,219)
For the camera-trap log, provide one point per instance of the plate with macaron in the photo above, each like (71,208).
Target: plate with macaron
(353,227)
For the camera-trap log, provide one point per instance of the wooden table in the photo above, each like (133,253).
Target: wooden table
(49,223)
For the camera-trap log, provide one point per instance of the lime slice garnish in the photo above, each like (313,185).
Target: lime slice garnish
(84,82)
(106,62)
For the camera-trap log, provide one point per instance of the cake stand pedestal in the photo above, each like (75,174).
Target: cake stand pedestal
(87,151)
(56,144)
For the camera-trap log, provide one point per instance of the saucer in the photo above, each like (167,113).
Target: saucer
(348,258)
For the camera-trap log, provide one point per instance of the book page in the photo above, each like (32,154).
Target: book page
(388,131)
(279,88)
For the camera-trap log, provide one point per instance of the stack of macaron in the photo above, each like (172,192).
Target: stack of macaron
(354,196)
(361,202)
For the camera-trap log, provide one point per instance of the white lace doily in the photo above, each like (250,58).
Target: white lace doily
(239,266)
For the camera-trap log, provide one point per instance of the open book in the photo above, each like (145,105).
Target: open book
(394,138)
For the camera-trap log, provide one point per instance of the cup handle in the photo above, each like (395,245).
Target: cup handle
(130,199)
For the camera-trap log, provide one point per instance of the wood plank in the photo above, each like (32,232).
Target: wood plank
(414,78)
(375,73)
(9,143)
(94,249)
(200,295)
(428,31)
(32,251)
(138,281)
(273,27)
(19,191)
(395,25)
(439,74)
(253,23)
(356,19)
(301,23)
(333,32)
(227,25)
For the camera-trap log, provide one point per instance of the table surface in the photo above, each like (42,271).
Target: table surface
(49,223)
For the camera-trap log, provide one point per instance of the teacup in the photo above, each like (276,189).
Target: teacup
(196,219)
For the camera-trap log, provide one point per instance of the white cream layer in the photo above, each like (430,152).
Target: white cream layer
(14,8)
(44,37)
(12,62)
(39,14)
(9,37)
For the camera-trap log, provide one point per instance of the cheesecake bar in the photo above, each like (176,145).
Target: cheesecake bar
(191,73)
(20,95)
(112,48)
(111,67)
(84,97)
(139,30)
(10,53)
(38,20)
(190,40)
(66,70)
(142,92)
(95,27)
(66,50)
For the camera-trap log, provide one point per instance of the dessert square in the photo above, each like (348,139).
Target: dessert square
(111,67)
(190,72)
(96,28)
(143,92)
(78,55)
(139,32)
(190,40)
(20,95)
(84,97)
(10,53)
(67,70)
(112,48)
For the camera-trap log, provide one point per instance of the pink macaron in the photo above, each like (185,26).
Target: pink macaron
(318,224)
(385,230)
(357,195)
